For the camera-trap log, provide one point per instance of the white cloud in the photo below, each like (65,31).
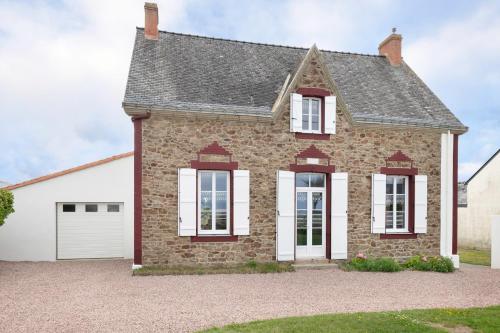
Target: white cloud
(466,170)
(63,73)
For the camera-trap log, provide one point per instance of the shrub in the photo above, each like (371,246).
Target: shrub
(430,264)
(361,263)
(6,205)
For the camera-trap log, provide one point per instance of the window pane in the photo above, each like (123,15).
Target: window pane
(113,208)
(389,187)
(305,114)
(206,181)
(389,211)
(302,180)
(314,115)
(400,185)
(91,208)
(301,218)
(221,181)
(400,220)
(206,210)
(68,208)
(221,210)
(400,211)
(317,218)
(317,180)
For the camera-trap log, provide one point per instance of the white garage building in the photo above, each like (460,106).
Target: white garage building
(85,212)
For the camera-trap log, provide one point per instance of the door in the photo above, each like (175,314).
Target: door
(89,230)
(310,216)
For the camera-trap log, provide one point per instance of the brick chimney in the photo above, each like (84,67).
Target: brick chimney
(151,21)
(391,48)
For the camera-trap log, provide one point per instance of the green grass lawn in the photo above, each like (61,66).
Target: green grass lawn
(437,320)
(475,257)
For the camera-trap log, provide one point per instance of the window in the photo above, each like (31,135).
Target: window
(310,180)
(213,199)
(396,204)
(91,208)
(311,115)
(113,208)
(69,208)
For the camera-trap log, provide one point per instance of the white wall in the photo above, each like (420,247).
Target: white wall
(495,241)
(30,233)
(483,201)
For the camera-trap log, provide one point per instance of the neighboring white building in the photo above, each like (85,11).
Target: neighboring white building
(482,201)
(83,212)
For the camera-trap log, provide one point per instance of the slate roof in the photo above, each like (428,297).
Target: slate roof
(201,74)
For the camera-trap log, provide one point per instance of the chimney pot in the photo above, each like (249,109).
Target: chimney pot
(391,48)
(151,21)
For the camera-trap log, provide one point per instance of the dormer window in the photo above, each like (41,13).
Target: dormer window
(311,115)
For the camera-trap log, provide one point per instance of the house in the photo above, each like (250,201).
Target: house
(84,212)
(265,152)
(482,193)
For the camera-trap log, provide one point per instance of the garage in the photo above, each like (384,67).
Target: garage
(89,230)
(86,212)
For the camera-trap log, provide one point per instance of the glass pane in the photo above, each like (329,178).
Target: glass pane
(221,181)
(317,218)
(400,220)
(302,180)
(91,208)
(206,210)
(301,218)
(301,236)
(317,180)
(389,223)
(315,115)
(113,208)
(221,210)
(400,185)
(305,114)
(389,187)
(69,208)
(317,237)
(400,202)
(206,181)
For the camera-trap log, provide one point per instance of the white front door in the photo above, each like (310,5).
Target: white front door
(310,216)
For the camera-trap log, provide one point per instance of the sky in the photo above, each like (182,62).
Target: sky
(64,65)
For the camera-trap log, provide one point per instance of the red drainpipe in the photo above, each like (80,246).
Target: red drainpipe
(454,246)
(138,188)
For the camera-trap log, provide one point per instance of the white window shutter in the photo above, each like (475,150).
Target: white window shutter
(295,112)
(378,203)
(339,215)
(187,202)
(241,202)
(285,216)
(330,114)
(420,204)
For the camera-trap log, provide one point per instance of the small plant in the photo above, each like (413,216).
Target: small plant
(362,263)
(6,205)
(430,264)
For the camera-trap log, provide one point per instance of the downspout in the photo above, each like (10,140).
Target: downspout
(137,120)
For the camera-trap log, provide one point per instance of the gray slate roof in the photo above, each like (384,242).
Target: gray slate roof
(193,73)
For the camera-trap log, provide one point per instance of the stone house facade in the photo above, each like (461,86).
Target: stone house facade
(249,151)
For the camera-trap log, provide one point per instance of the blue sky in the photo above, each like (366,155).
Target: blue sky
(63,65)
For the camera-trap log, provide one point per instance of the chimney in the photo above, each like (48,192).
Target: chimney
(151,21)
(391,48)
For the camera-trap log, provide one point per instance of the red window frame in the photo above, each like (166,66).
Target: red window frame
(215,149)
(316,93)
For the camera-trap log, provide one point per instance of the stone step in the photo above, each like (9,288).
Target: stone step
(314,264)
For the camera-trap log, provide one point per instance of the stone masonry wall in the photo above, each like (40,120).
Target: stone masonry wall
(264,147)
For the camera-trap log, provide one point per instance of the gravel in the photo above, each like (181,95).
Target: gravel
(89,296)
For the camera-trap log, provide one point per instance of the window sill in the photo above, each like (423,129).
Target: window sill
(398,236)
(312,136)
(207,239)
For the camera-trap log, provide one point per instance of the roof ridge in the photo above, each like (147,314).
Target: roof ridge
(264,44)
(68,171)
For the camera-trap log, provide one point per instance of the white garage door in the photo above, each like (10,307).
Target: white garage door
(89,230)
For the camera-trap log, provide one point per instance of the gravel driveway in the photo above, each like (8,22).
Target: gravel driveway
(84,296)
